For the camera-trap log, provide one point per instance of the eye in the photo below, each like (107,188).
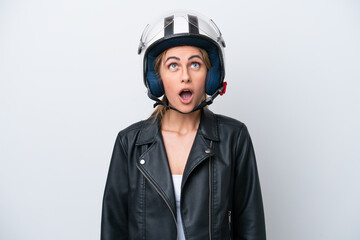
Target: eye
(195,65)
(172,66)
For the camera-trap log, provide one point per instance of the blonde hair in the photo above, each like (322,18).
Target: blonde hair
(160,109)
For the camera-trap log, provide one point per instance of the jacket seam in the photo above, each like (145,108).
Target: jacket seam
(144,213)
(122,146)
(238,138)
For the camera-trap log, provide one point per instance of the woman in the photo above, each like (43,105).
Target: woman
(184,173)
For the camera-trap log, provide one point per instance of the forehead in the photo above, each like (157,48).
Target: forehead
(182,51)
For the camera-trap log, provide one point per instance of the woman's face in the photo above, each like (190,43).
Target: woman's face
(183,73)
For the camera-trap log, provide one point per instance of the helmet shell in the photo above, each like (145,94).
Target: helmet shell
(182,28)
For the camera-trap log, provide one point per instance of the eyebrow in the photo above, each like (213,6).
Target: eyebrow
(172,57)
(178,59)
(194,56)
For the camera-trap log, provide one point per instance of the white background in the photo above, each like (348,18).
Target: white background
(70,79)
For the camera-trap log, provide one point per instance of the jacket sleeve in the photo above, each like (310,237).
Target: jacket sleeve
(248,213)
(114,222)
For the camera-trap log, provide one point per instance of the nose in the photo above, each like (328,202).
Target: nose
(185,77)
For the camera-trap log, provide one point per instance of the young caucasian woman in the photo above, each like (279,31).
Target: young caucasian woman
(184,173)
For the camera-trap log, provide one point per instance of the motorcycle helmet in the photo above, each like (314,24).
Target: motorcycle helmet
(180,28)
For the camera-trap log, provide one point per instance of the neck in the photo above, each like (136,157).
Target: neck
(180,123)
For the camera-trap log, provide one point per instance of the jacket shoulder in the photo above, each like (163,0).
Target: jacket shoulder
(139,133)
(127,137)
(131,129)
(225,121)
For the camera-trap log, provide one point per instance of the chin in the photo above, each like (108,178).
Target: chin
(186,108)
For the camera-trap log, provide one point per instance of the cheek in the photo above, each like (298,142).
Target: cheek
(200,81)
(168,86)
(167,76)
(166,81)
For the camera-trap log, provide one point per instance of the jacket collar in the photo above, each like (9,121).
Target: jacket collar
(208,128)
(208,125)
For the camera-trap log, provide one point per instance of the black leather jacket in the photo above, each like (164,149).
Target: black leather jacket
(220,196)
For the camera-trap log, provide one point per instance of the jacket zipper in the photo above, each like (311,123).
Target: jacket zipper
(210,193)
(162,196)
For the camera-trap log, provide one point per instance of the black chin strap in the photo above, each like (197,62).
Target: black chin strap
(209,100)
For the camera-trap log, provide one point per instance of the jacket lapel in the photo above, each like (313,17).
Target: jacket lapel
(201,149)
(153,163)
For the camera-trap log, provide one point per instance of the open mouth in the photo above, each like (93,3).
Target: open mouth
(186,95)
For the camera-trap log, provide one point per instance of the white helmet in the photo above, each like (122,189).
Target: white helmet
(178,29)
